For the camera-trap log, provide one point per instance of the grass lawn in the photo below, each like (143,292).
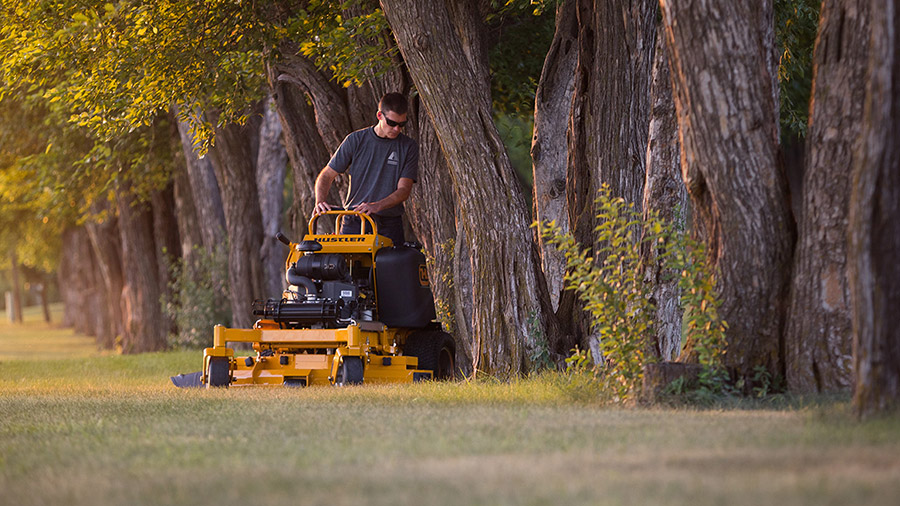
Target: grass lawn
(99,430)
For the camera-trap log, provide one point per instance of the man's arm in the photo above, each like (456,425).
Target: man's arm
(323,185)
(404,187)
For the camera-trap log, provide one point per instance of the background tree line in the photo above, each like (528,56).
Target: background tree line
(138,137)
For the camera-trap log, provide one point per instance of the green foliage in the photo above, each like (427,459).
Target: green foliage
(443,307)
(349,38)
(704,330)
(523,31)
(516,132)
(113,67)
(612,286)
(199,298)
(796,22)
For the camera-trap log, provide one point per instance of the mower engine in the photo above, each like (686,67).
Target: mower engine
(323,293)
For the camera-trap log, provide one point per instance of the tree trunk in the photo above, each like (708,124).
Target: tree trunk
(818,344)
(106,244)
(727,120)
(305,149)
(665,194)
(185,208)
(315,117)
(332,118)
(77,284)
(16,286)
(431,210)
(580,187)
(168,246)
(45,304)
(508,289)
(553,101)
(624,41)
(206,195)
(236,175)
(607,136)
(874,237)
(143,326)
(270,172)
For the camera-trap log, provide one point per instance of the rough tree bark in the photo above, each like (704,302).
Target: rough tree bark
(607,136)
(580,187)
(168,244)
(874,237)
(79,282)
(205,190)
(235,172)
(316,115)
(431,210)
(665,194)
(185,213)
(818,350)
(107,249)
(332,117)
(727,121)
(270,171)
(16,285)
(624,41)
(306,151)
(143,328)
(553,101)
(508,289)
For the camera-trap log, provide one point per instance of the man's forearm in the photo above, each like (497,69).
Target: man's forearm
(322,187)
(397,197)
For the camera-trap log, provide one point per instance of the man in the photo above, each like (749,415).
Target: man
(382,163)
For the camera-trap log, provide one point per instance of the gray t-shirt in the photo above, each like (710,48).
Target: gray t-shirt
(375,165)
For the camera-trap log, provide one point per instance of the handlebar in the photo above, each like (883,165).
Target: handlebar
(340,216)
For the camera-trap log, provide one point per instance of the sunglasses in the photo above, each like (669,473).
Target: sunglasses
(393,123)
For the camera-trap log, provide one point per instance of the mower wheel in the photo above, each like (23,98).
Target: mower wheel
(350,371)
(435,350)
(218,373)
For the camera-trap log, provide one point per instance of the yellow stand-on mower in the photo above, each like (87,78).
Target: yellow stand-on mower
(359,309)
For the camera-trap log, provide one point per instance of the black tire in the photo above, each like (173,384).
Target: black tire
(350,372)
(218,372)
(436,352)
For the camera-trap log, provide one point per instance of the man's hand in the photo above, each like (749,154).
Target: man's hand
(321,207)
(368,208)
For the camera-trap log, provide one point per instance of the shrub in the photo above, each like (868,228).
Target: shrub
(200,298)
(612,286)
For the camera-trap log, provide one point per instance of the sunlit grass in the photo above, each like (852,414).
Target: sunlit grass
(35,337)
(103,430)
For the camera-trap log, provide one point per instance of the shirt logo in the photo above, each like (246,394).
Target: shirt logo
(393,158)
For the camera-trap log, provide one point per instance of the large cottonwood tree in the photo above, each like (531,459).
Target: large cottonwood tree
(140,298)
(432,212)
(665,195)
(818,334)
(874,230)
(553,102)
(509,295)
(724,97)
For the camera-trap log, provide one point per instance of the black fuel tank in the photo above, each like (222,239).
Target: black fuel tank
(404,291)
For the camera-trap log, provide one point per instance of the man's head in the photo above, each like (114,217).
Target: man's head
(392,110)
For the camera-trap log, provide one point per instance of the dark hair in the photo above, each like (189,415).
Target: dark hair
(394,102)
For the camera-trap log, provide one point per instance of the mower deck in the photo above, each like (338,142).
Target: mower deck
(304,357)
